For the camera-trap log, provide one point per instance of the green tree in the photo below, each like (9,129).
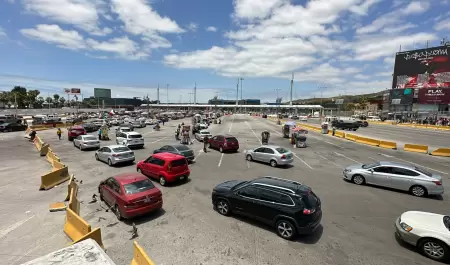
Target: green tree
(5,97)
(62,100)
(49,100)
(349,106)
(20,94)
(39,102)
(32,97)
(363,102)
(73,102)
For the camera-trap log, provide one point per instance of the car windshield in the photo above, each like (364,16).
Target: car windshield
(204,132)
(240,185)
(178,163)
(125,129)
(138,186)
(426,173)
(281,150)
(231,139)
(181,147)
(366,166)
(134,136)
(121,149)
(90,138)
(447,222)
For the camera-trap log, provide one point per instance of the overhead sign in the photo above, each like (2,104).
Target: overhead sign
(404,95)
(72,91)
(339,101)
(102,93)
(434,96)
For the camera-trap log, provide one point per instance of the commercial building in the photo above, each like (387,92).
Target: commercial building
(128,103)
(233,102)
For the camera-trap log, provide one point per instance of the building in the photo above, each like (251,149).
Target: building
(128,103)
(233,102)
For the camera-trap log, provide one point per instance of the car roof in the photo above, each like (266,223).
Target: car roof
(168,156)
(127,178)
(395,164)
(177,146)
(114,146)
(226,135)
(77,127)
(281,185)
(132,133)
(204,130)
(271,146)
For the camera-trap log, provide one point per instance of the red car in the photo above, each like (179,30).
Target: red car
(130,195)
(166,167)
(75,131)
(224,143)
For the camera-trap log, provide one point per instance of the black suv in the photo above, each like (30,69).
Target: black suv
(345,125)
(362,123)
(291,207)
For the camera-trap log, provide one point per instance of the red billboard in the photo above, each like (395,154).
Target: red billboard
(434,96)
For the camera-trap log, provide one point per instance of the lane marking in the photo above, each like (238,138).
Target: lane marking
(231,125)
(34,249)
(248,125)
(248,164)
(302,161)
(220,161)
(160,139)
(14,226)
(334,144)
(418,165)
(339,166)
(342,155)
(199,153)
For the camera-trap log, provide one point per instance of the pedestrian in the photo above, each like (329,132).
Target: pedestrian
(163,121)
(58,132)
(205,143)
(100,133)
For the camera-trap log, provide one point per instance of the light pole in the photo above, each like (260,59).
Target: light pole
(321,88)
(277,101)
(167,96)
(242,79)
(237,95)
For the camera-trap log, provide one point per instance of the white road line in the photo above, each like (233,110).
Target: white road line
(231,125)
(302,161)
(334,144)
(339,154)
(199,153)
(418,165)
(220,161)
(14,226)
(253,132)
(248,164)
(160,139)
(339,166)
(373,158)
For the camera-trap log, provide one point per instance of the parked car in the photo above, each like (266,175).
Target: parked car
(224,143)
(179,149)
(12,127)
(86,142)
(123,129)
(90,127)
(362,123)
(130,195)
(115,154)
(264,116)
(151,121)
(114,122)
(166,167)
(398,176)
(75,131)
(428,232)
(130,139)
(345,125)
(271,154)
(203,126)
(290,207)
(202,134)
(139,124)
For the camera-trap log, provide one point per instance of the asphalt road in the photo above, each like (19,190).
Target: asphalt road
(357,225)
(404,134)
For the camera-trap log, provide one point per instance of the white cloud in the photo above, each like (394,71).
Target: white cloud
(123,46)
(363,8)
(2,33)
(255,9)
(83,14)
(361,77)
(416,7)
(443,25)
(67,39)
(398,28)
(211,29)
(192,27)
(387,74)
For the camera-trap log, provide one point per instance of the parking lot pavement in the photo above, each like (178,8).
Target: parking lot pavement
(357,225)
(27,228)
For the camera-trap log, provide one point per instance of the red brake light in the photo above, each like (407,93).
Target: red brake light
(283,157)
(306,211)
(115,155)
(437,182)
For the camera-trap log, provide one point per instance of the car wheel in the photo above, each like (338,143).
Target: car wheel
(117,212)
(81,148)
(358,179)
(140,171)
(418,191)
(285,229)
(74,144)
(162,181)
(110,162)
(223,207)
(249,158)
(96,157)
(434,249)
(273,163)
(221,149)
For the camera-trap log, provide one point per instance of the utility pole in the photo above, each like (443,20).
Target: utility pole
(148,106)
(167,94)
(237,95)
(276,101)
(292,88)
(242,101)
(321,88)
(15,103)
(195,93)
(157,93)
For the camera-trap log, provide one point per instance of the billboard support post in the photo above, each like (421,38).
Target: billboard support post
(339,102)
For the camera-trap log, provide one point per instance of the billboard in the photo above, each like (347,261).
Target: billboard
(401,96)
(434,96)
(72,91)
(102,93)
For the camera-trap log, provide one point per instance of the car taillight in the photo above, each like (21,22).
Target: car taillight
(115,155)
(131,205)
(283,157)
(437,182)
(307,212)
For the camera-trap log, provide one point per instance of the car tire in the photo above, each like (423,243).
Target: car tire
(140,171)
(358,179)
(81,148)
(285,229)
(96,157)
(273,163)
(221,149)
(74,144)
(118,213)
(249,158)
(162,181)
(434,249)
(223,207)
(418,191)
(110,162)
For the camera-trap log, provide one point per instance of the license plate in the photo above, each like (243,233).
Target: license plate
(182,177)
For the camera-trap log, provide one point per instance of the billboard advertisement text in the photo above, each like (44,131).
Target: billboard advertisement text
(434,96)
(404,96)
(424,68)
(72,91)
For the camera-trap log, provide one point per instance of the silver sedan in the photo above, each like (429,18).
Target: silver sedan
(86,142)
(115,154)
(271,154)
(396,176)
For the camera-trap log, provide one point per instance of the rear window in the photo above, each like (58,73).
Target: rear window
(125,129)
(281,150)
(426,173)
(447,222)
(138,186)
(367,166)
(204,132)
(121,149)
(181,147)
(90,138)
(134,136)
(231,139)
(310,200)
(178,163)
(78,130)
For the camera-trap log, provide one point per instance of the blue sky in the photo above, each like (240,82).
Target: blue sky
(333,47)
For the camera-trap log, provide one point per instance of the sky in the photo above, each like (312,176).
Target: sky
(331,47)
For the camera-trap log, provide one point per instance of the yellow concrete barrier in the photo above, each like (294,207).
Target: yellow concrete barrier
(95,234)
(72,185)
(368,141)
(441,152)
(75,227)
(339,134)
(52,157)
(54,178)
(139,256)
(417,148)
(41,146)
(74,203)
(388,145)
(351,137)
(57,165)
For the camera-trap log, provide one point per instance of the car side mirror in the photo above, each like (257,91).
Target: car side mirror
(371,171)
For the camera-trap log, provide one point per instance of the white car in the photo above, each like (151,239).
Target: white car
(114,122)
(429,232)
(203,126)
(86,142)
(201,135)
(123,130)
(130,139)
(150,121)
(304,118)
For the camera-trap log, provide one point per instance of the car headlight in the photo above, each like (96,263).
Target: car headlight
(406,227)
(347,170)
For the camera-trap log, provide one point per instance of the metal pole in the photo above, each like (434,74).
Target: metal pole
(157,93)
(167,91)
(148,106)
(292,87)
(237,95)
(195,93)
(15,102)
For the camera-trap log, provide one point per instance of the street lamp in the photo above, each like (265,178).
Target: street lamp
(321,88)
(241,90)
(276,100)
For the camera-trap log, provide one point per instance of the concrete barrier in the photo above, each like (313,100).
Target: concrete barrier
(72,186)
(441,152)
(95,235)
(368,141)
(388,145)
(52,157)
(74,203)
(339,134)
(351,137)
(54,178)
(75,227)
(139,256)
(41,146)
(416,148)
(57,165)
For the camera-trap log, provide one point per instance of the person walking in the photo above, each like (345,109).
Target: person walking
(100,133)
(205,143)
(58,132)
